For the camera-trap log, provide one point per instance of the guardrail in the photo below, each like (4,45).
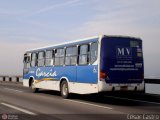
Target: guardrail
(152,81)
(19,79)
(10,78)
(152,86)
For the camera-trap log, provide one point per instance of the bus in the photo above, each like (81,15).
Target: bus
(92,65)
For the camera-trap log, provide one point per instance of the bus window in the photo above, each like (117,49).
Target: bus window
(49,58)
(41,59)
(93,52)
(26,62)
(83,54)
(74,56)
(33,59)
(59,57)
(68,54)
(71,56)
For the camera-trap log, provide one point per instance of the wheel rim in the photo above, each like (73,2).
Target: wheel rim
(64,89)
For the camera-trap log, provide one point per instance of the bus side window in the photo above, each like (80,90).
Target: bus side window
(49,58)
(33,59)
(26,62)
(74,56)
(41,59)
(83,54)
(59,57)
(71,56)
(68,56)
(93,52)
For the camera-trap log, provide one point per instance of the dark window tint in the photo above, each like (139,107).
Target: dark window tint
(83,54)
(59,56)
(26,62)
(94,52)
(41,59)
(83,49)
(49,54)
(34,59)
(49,58)
(71,56)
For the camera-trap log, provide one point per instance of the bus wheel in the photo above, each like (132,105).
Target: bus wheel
(33,88)
(64,89)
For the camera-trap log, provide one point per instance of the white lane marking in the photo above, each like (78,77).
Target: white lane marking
(20,109)
(133,100)
(90,104)
(13,90)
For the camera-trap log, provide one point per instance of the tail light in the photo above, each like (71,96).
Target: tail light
(103,75)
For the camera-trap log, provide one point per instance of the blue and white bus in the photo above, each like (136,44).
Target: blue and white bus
(91,65)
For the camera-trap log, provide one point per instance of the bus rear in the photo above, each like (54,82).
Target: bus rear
(121,64)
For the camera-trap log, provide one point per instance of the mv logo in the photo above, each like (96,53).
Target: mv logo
(124,52)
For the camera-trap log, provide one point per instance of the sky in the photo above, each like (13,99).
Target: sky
(27,24)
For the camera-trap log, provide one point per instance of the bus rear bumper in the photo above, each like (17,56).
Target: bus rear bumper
(121,87)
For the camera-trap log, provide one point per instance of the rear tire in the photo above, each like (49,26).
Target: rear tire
(33,88)
(64,89)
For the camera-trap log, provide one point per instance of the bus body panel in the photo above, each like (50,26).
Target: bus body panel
(66,71)
(121,58)
(81,79)
(113,53)
(87,74)
(56,73)
(81,74)
(49,77)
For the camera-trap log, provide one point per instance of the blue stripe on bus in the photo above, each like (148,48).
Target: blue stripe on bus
(80,74)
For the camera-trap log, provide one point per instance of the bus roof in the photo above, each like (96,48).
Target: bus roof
(75,42)
(70,43)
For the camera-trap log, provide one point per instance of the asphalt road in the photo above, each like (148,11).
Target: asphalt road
(18,102)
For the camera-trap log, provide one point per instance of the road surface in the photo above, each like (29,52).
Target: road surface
(18,102)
